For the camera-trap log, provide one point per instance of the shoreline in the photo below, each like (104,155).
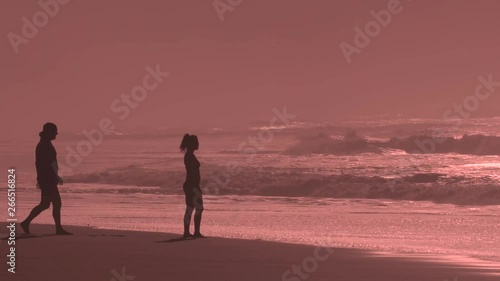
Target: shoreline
(409,228)
(98,254)
(485,195)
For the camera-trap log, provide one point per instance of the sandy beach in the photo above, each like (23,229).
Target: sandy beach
(98,254)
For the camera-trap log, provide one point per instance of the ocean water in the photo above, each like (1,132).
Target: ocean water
(362,184)
(357,159)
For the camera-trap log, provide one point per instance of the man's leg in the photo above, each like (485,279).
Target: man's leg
(56,209)
(44,205)
(56,213)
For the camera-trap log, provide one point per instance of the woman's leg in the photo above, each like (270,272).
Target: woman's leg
(197,222)
(189,211)
(187,220)
(198,203)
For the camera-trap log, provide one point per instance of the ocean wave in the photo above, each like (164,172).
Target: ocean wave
(434,187)
(467,144)
(352,143)
(323,143)
(132,175)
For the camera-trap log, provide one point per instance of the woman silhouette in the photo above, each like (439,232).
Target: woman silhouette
(192,190)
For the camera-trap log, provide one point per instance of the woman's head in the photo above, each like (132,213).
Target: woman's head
(189,143)
(49,131)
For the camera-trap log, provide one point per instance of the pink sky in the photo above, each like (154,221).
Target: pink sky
(264,54)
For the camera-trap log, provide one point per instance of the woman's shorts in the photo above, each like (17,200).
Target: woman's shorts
(194,197)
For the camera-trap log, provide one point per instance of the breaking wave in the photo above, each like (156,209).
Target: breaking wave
(352,143)
(434,187)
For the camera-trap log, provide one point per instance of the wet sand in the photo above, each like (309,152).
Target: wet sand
(99,254)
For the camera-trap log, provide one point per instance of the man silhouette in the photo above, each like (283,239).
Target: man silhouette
(47,179)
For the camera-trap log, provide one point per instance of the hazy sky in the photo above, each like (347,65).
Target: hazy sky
(264,54)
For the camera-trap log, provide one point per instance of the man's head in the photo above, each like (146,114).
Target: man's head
(49,131)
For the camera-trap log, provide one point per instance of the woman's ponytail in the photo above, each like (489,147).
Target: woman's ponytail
(185,142)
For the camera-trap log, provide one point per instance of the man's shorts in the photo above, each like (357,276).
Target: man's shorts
(49,190)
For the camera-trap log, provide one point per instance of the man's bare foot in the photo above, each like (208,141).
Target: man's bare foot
(63,232)
(187,235)
(25,226)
